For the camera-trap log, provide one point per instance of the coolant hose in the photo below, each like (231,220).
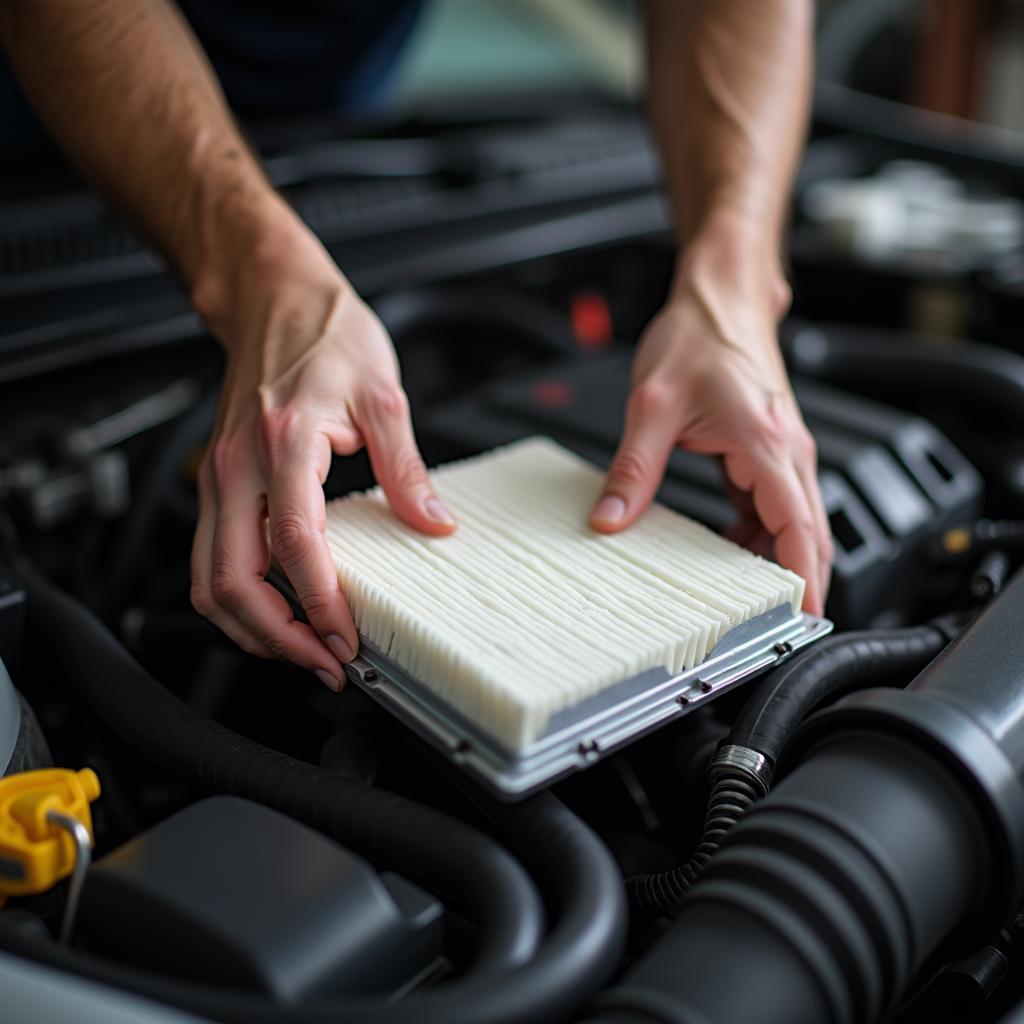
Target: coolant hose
(900,831)
(740,772)
(511,981)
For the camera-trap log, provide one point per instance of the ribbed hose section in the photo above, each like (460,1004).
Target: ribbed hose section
(824,900)
(734,789)
(741,770)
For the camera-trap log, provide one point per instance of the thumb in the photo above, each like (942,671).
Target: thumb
(399,468)
(639,464)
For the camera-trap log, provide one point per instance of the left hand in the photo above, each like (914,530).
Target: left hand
(709,376)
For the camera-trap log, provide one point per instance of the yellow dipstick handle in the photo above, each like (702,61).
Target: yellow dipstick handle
(36,849)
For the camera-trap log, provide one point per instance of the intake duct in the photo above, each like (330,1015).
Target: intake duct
(902,826)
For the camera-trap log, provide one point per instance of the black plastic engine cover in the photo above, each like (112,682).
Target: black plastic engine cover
(891,482)
(227,891)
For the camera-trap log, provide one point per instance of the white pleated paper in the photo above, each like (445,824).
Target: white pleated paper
(524,610)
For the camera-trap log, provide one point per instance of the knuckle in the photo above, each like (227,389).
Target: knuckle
(389,400)
(407,469)
(225,587)
(279,428)
(289,536)
(774,432)
(315,601)
(805,526)
(631,468)
(276,646)
(652,399)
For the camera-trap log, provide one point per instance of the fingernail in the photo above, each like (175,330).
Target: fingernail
(340,648)
(438,512)
(328,680)
(610,509)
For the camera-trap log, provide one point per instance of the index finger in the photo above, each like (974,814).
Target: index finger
(386,425)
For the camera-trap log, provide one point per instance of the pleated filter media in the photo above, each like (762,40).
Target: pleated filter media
(525,611)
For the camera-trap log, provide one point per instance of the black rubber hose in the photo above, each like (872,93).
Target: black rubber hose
(984,377)
(832,668)
(560,850)
(386,828)
(902,829)
(509,984)
(580,955)
(824,900)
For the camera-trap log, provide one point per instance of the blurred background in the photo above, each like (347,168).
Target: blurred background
(485,176)
(949,56)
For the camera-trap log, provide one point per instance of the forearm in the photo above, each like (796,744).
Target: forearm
(126,90)
(729,88)
(310,372)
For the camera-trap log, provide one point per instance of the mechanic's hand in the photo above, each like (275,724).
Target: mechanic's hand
(310,371)
(709,376)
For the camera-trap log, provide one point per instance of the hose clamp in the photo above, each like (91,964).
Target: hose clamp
(750,762)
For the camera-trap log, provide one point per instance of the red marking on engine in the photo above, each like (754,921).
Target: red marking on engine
(552,394)
(591,321)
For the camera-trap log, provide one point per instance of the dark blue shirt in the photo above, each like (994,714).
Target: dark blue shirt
(302,56)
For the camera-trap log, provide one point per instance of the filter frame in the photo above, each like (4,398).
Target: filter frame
(579,737)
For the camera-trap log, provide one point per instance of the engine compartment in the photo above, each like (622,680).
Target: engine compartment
(248,817)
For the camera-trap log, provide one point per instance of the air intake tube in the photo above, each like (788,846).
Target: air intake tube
(902,826)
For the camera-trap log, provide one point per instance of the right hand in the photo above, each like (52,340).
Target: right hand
(310,371)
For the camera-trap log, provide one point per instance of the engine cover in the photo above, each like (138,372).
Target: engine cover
(231,892)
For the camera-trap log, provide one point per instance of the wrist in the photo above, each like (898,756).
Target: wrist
(734,256)
(256,266)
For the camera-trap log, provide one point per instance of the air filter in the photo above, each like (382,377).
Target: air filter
(526,644)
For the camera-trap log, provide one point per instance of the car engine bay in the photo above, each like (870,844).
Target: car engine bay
(839,839)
